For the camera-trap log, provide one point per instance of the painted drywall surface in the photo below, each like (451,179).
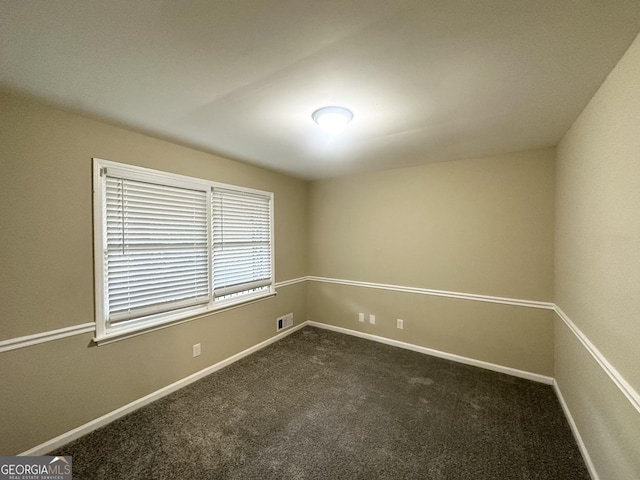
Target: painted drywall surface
(598,222)
(51,388)
(608,423)
(46,274)
(477,226)
(597,273)
(46,209)
(481,226)
(506,335)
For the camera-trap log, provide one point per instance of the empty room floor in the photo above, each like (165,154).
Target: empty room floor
(324,405)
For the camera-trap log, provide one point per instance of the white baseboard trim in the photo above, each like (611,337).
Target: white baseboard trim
(625,387)
(88,427)
(36,338)
(576,433)
(630,393)
(536,377)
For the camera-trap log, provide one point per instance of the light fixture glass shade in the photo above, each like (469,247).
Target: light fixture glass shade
(332,119)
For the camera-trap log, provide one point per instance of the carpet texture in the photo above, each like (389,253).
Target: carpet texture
(323,405)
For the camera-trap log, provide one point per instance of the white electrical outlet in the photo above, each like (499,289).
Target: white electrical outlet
(400,323)
(284,321)
(372,319)
(361,317)
(196,350)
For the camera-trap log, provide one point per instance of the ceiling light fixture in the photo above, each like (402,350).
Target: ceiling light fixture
(332,119)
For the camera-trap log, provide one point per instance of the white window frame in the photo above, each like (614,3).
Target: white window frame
(106,332)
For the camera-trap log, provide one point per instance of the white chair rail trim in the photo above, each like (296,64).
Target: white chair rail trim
(36,338)
(629,392)
(438,293)
(617,378)
(48,336)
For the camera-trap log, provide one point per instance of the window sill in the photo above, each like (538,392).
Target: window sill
(115,334)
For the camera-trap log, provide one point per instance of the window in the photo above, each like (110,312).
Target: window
(241,242)
(168,247)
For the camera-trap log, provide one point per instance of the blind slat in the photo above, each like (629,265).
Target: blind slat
(156,251)
(241,233)
(169,247)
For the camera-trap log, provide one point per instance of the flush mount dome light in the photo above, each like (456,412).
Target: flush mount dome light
(332,119)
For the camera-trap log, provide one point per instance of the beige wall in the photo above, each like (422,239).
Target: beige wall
(46,273)
(505,335)
(608,423)
(597,270)
(477,226)
(482,226)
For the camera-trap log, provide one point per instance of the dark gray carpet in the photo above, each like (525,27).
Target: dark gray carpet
(323,405)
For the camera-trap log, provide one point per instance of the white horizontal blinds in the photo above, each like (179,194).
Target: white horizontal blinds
(241,242)
(156,255)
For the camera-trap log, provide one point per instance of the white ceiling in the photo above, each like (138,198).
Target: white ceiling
(427,80)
